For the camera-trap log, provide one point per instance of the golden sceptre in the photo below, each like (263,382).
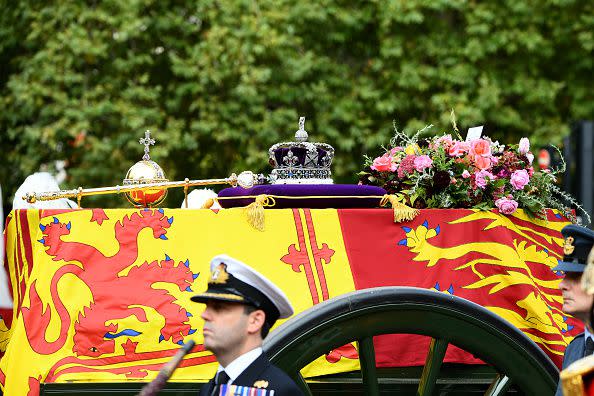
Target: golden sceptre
(245,179)
(145,184)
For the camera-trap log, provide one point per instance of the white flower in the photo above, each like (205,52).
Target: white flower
(524,146)
(530,157)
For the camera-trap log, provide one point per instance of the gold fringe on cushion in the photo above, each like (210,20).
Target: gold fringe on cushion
(255,211)
(401,211)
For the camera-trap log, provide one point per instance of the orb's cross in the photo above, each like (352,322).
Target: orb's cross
(146,142)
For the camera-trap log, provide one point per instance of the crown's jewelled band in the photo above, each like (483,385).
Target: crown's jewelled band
(301,176)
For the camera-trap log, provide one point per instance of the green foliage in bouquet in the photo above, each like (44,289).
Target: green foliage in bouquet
(448,172)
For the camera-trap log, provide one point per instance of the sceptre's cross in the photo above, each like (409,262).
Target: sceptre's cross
(146,142)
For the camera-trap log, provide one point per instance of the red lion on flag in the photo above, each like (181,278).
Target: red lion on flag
(109,279)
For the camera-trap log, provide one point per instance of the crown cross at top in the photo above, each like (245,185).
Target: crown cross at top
(301,134)
(146,142)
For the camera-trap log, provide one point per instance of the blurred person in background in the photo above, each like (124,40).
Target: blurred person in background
(40,182)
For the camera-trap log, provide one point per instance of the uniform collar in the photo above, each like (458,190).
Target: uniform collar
(587,334)
(238,366)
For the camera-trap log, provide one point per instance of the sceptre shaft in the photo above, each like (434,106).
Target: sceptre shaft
(156,385)
(245,179)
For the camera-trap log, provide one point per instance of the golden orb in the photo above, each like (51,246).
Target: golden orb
(142,172)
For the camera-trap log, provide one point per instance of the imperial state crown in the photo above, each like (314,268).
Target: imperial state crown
(301,162)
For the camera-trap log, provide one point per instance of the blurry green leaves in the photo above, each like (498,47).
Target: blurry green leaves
(219,81)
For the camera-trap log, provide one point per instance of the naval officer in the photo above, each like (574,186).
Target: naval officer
(241,307)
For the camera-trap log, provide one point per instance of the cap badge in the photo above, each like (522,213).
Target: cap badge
(261,384)
(568,247)
(219,275)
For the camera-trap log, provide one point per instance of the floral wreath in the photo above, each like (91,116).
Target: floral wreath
(447,172)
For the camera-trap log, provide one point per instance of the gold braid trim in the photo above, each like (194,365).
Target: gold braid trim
(228,296)
(303,196)
(401,211)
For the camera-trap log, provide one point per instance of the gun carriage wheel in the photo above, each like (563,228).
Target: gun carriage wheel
(519,364)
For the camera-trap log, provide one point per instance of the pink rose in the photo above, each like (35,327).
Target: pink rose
(445,140)
(465,174)
(384,163)
(524,146)
(480,147)
(423,162)
(506,205)
(481,177)
(482,162)
(396,149)
(458,149)
(519,179)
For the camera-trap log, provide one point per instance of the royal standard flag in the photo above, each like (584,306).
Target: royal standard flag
(104,295)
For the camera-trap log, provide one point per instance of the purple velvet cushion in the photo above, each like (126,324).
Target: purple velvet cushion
(326,195)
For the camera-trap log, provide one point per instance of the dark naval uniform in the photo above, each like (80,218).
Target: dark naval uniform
(578,243)
(261,373)
(574,351)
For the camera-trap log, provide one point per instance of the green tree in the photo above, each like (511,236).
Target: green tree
(219,81)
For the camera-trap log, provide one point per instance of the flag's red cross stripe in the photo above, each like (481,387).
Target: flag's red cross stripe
(299,260)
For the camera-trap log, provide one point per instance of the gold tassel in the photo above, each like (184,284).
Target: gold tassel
(401,211)
(255,211)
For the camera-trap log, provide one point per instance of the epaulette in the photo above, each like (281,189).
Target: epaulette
(578,378)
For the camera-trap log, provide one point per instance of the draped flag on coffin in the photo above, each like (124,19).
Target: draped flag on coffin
(103,295)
